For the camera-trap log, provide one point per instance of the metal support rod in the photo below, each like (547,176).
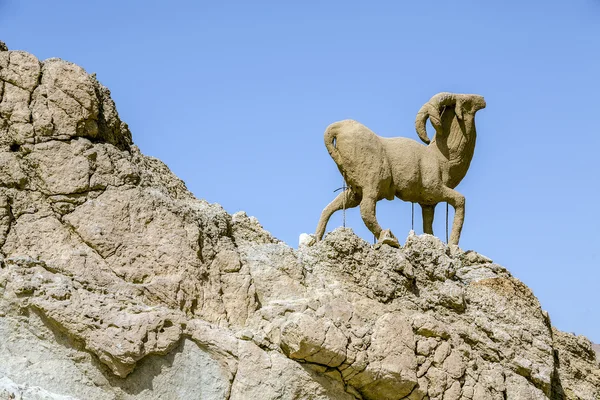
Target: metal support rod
(412,223)
(446,223)
(344,201)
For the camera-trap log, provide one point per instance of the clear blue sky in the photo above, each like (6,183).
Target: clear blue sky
(234,97)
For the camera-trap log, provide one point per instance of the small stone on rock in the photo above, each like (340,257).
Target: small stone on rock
(306,240)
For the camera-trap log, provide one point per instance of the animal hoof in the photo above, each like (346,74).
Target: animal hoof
(387,237)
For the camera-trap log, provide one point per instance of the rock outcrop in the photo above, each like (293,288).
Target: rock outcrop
(116,283)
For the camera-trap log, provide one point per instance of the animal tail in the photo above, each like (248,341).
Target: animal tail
(331,142)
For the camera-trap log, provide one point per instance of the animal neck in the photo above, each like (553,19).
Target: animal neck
(457,145)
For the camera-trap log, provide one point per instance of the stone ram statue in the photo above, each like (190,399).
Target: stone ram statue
(377,168)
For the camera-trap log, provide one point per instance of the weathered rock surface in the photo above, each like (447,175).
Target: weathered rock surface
(116,283)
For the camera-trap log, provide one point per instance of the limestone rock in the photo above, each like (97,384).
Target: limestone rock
(307,339)
(596,348)
(116,283)
(306,240)
(391,372)
(577,367)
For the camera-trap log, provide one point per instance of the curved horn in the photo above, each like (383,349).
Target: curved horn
(421,122)
(433,110)
(458,108)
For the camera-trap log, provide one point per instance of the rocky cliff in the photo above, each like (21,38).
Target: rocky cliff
(116,283)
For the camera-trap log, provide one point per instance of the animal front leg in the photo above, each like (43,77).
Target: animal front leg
(347,199)
(457,201)
(427,212)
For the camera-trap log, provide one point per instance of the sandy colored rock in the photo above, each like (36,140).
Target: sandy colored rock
(577,367)
(391,372)
(116,283)
(307,339)
(596,348)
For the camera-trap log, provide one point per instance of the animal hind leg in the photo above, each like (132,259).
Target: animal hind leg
(427,212)
(367,212)
(457,201)
(348,199)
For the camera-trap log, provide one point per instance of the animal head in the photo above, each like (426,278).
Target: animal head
(464,104)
